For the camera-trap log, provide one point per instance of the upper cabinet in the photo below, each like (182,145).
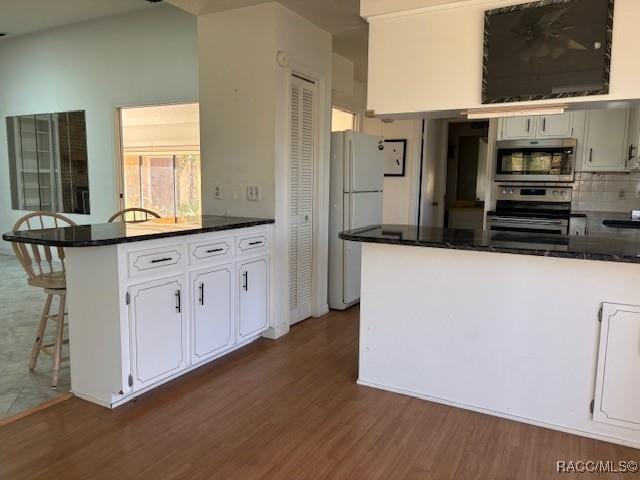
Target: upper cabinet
(633,152)
(542,126)
(515,128)
(555,126)
(605,147)
(607,138)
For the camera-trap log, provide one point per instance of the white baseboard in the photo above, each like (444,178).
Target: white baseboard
(92,399)
(530,421)
(322,310)
(273,333)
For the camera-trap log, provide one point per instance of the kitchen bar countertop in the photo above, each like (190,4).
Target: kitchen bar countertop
(601,247)
(118,232)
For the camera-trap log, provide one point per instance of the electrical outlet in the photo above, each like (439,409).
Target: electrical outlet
(217,191)
(253,193)
(622,194)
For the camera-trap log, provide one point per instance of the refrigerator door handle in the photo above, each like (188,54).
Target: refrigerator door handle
(351,155)
(352,158)
(346,212)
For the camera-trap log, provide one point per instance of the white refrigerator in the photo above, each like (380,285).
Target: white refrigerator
(357,178)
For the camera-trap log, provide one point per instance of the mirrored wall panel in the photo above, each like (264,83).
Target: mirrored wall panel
(48,162)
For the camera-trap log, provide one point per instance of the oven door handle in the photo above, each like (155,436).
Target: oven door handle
(536,221)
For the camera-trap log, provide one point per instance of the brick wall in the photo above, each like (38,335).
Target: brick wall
(73,161)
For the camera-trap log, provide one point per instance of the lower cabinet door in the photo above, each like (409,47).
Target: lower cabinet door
(253,303)
(158,331)
(212,328)
(617,388)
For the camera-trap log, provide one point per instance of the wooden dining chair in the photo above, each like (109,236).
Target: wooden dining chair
(47,271)
(139,215)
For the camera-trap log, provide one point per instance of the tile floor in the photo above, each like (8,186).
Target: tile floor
(20,308)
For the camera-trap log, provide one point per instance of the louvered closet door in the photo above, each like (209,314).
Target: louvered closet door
(303,98)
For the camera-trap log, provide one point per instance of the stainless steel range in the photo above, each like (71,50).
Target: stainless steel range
(527,208)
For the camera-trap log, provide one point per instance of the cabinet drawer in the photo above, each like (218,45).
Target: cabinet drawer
(146,262)
(252,243)
(210,250)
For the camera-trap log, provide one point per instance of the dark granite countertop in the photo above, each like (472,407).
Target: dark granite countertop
(119,232)
(615,220)
(601,247)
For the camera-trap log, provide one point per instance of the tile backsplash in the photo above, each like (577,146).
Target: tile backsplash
(606,192)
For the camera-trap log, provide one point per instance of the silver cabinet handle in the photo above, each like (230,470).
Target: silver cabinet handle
(528,124)
(544,124)
(202,293)
(258,242)
(590,155)
(178,301)
(215,250)
(245,286)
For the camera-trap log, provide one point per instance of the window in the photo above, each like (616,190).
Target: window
(342,120)
(48,162)
(161,155)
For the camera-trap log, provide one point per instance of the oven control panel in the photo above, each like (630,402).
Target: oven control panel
(534,193)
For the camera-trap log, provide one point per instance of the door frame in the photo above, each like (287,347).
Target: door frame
(280,313)
(300,79)
(440,166)
(119,147)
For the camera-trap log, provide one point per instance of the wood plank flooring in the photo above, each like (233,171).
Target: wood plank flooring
(288,409)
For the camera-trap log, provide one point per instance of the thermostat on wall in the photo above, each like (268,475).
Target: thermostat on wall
(282,58)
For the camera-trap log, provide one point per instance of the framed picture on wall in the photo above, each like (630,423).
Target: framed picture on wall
(395,155)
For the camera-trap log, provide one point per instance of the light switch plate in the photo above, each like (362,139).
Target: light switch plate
(217,191)
(253,193)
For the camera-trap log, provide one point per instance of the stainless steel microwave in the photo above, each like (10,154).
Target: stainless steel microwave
(536,160)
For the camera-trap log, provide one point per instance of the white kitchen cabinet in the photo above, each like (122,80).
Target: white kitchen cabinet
(536,127)
(554,126)
(130,331)
(617,388)
(633,142)
(605,140)
(516,128)
(212,312)
(253,276)
(158,331)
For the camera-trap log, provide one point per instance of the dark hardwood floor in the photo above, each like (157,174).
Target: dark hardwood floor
(288,409)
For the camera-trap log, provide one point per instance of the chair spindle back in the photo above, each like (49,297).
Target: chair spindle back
(133,215)
(38,259)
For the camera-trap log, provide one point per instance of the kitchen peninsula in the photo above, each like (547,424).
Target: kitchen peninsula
(539,328)
(150,301)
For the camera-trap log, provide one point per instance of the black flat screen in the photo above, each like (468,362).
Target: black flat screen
(547,49)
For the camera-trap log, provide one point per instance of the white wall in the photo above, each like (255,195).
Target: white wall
(139,58)
(174,127)
(430,59)
(342,75)
(354,103)
(475,338)
(244,109)
(400,198)
(240,87)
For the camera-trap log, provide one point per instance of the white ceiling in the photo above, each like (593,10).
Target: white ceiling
(334,16)
(25,16)
(338,17)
